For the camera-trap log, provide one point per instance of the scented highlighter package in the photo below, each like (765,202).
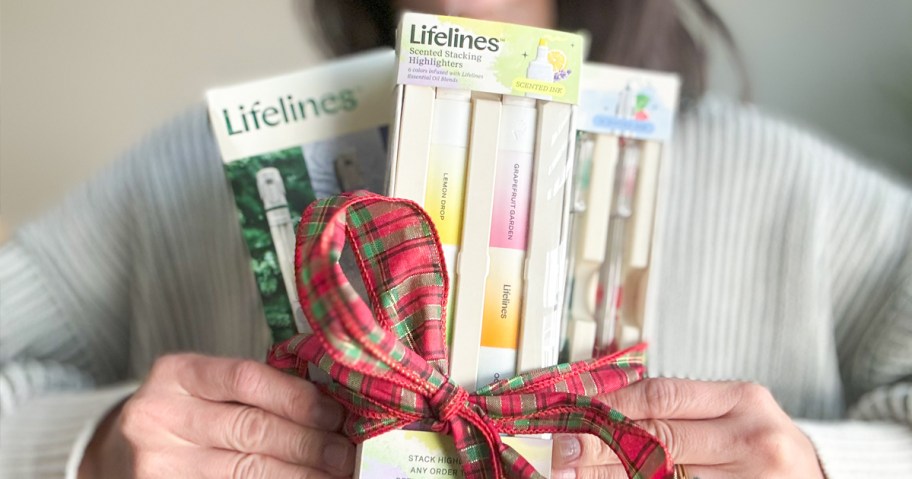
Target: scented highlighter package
(290,139)
(483,140)
(625,124)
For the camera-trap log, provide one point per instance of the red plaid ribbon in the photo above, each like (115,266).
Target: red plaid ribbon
(389,364)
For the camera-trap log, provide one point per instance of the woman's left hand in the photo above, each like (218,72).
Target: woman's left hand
(715,429)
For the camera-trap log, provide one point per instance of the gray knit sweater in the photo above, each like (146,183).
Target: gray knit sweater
(781,261)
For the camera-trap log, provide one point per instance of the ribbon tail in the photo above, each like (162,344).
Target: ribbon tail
(479,446)
(518,466)
(589,378)
(284,356)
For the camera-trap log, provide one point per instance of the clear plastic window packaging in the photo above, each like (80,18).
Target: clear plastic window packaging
(626,119)
(483,139)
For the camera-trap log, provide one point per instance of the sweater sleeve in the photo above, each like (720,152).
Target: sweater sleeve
(145,259)
(870,252)
(49,399)
(64,326)
(877,441)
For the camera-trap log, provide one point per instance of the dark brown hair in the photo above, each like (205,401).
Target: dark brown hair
(652,34)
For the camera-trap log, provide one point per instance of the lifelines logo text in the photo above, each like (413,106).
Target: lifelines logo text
(285,110)
(451,37)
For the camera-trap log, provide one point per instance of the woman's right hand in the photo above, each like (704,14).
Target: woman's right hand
(218,418)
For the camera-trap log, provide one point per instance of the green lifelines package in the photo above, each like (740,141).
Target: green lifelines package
(491,57)
(290,139)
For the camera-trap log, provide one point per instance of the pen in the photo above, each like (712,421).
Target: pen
(609,289)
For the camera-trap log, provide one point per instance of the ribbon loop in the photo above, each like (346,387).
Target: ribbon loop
(389,361)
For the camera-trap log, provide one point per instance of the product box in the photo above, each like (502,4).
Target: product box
(625,122)
(288,140)
(483,140)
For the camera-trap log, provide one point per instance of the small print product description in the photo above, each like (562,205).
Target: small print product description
(500,325)
(453,52)
(404,454)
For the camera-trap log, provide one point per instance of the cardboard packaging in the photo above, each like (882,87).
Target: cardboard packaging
(483,139)
(288,140)
(626,118)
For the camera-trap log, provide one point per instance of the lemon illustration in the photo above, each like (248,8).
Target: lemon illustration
(557,59)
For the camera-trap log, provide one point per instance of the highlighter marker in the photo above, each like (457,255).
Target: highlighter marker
(445,181)
(414,145)
(431,163)
(507,246)
(473,261)
(543,292)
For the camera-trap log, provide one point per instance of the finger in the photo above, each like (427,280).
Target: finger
(580,450)
(203,463)
(255,384)
(251,430)
(698,442)
(707,442)
(664,398)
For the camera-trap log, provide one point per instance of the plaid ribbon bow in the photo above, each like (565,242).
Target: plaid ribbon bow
(390,371)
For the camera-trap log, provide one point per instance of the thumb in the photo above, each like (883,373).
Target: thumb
(580,450)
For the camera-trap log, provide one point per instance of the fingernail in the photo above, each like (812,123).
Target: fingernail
(328,414)
(569,448)
(564,474)
(339,456)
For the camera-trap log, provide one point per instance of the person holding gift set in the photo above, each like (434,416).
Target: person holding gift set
(786,297)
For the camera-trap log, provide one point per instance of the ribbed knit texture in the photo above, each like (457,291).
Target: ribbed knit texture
(780,261)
